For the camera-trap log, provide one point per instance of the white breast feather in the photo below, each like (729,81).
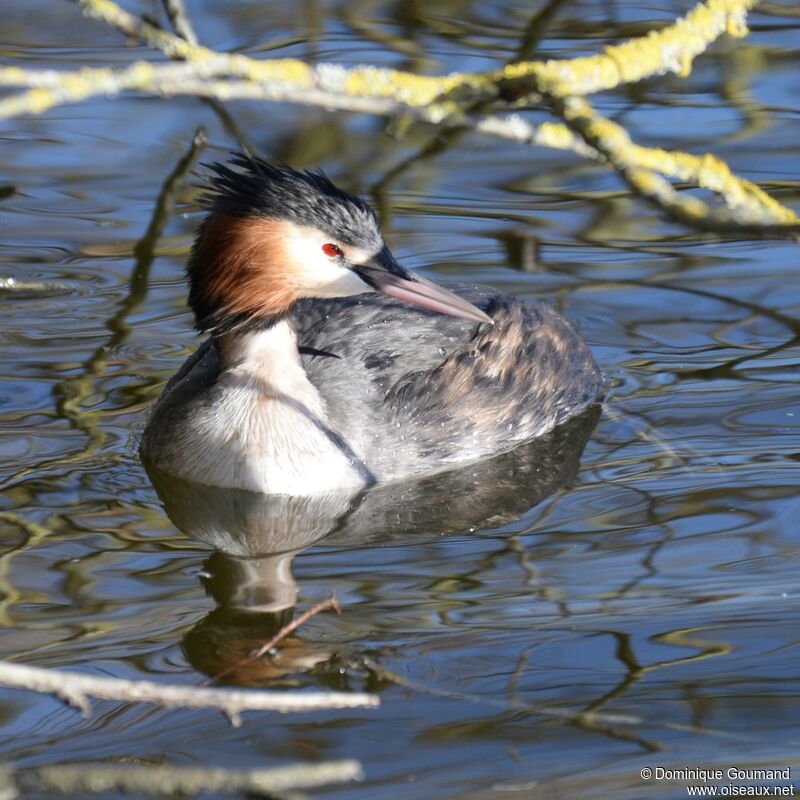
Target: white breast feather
(262,426)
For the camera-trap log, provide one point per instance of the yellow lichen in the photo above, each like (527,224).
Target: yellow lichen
(141,73)
(407,88)
(286,70)
(737,26)
(562,84)
(671,49)
(12,76)
(557,135)
(39,100)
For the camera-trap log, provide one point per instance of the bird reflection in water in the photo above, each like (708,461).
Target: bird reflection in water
(256,538)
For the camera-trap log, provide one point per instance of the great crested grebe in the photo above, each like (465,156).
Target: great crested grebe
(329,366)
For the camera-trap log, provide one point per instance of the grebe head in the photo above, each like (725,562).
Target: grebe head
(275,235)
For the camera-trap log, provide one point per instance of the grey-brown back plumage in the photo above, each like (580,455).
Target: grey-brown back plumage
(411,391)
(414,387)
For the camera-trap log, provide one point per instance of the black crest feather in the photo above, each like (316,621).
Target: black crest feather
(249,185)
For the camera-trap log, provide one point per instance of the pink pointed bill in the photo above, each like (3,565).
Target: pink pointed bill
(421,292)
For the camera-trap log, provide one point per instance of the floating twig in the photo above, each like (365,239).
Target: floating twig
(330,602)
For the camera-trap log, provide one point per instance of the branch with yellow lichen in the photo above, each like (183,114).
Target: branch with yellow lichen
(673,49)
(449,101)
(750,209)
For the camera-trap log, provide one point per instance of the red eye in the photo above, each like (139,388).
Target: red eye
(331,250)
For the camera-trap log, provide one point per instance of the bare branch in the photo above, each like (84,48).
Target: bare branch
(455,101)
(75,689)
(752,210)
(179,17)
(82,779)
(672,49)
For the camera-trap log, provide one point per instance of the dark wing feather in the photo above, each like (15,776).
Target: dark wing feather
(513,381)
(409,388)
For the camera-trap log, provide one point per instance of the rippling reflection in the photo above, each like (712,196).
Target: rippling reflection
(257,536)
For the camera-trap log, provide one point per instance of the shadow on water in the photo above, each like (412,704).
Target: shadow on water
(256,537)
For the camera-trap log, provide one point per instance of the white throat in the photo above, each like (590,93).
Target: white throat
(269,356)
(267,425)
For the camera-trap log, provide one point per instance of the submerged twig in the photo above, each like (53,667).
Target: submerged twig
(73,391)
(588,718)
(330,602)
(75,689)
(26,289)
